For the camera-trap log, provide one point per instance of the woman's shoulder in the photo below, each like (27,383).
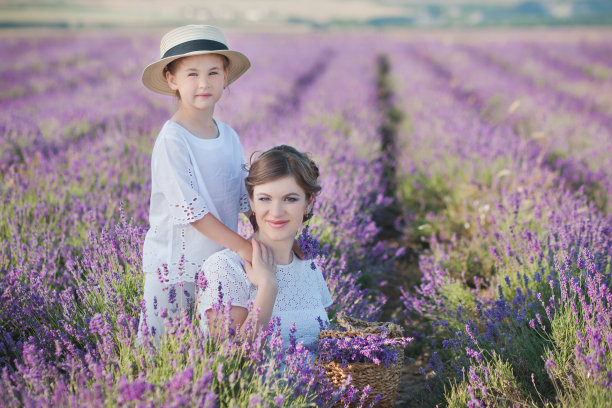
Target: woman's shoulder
(307,269)
(223,267)
(312,275)
(225,257)
(306,264)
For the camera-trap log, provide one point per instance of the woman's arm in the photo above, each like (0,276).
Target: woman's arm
(214,229)
(262,273)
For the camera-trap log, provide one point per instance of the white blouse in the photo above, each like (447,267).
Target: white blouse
(191,177)
(302,294)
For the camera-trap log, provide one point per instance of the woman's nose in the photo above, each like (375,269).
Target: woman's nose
(276,208)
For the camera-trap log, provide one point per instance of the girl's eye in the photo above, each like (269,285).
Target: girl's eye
(214,73)
(192,74)
(263,199)
(292,199)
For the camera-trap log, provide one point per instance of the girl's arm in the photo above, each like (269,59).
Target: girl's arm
(214,229)
(262,273)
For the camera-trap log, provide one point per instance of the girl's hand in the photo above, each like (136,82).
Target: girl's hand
(262,270)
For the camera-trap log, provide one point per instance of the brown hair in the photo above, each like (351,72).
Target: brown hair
(281,161)
(173,66)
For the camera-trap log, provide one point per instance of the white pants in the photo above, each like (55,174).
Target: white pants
(163,300)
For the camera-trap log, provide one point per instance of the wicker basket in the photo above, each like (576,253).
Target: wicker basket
(384,381)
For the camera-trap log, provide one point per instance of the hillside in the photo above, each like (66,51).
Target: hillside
(309,14)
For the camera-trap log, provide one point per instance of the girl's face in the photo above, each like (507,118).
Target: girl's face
(200,80)
(279,208)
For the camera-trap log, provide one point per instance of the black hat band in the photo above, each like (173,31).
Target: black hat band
(194,45)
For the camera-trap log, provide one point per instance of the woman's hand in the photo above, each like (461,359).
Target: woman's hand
(262,273)
(262,270)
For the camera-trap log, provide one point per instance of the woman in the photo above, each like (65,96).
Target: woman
(282,185)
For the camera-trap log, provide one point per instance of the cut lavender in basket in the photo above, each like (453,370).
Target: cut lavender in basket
(374,348)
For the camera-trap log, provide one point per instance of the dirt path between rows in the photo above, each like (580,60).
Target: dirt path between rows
(416,359)
(406,273)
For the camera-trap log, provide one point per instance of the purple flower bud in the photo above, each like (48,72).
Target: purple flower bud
(220,374)
(255,400)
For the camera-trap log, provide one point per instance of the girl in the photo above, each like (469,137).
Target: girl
(197,187)
(282,185)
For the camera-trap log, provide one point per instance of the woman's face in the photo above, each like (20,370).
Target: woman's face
(279,208)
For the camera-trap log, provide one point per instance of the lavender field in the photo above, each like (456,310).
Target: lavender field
(467,195)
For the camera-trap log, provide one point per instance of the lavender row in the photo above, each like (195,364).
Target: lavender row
(507,238)
(571,128)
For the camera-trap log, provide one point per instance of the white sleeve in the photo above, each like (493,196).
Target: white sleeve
(175,175)
(225,281)
(326,298)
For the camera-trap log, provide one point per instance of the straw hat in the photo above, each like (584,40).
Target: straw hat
(192,40)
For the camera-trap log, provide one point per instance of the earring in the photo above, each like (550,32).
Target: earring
(308,215)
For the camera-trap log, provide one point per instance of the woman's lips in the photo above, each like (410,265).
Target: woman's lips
(277,224)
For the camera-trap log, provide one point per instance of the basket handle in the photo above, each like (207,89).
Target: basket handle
(362,326)
(344,322)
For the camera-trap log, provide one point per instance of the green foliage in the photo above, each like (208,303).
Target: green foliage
(470,259)
(524,352)
(424,196)
(453,214)
(576,174)
(588,397)
(561,350)
(326,235)
(456,294)
(573,382)
(493,384)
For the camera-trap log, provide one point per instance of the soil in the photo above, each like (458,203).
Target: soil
(412,381)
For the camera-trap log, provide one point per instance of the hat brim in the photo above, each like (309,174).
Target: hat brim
(154,79)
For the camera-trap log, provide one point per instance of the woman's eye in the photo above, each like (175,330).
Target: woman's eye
(292,199)
(264,199)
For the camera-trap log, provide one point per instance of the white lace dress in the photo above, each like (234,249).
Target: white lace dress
(302,294)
